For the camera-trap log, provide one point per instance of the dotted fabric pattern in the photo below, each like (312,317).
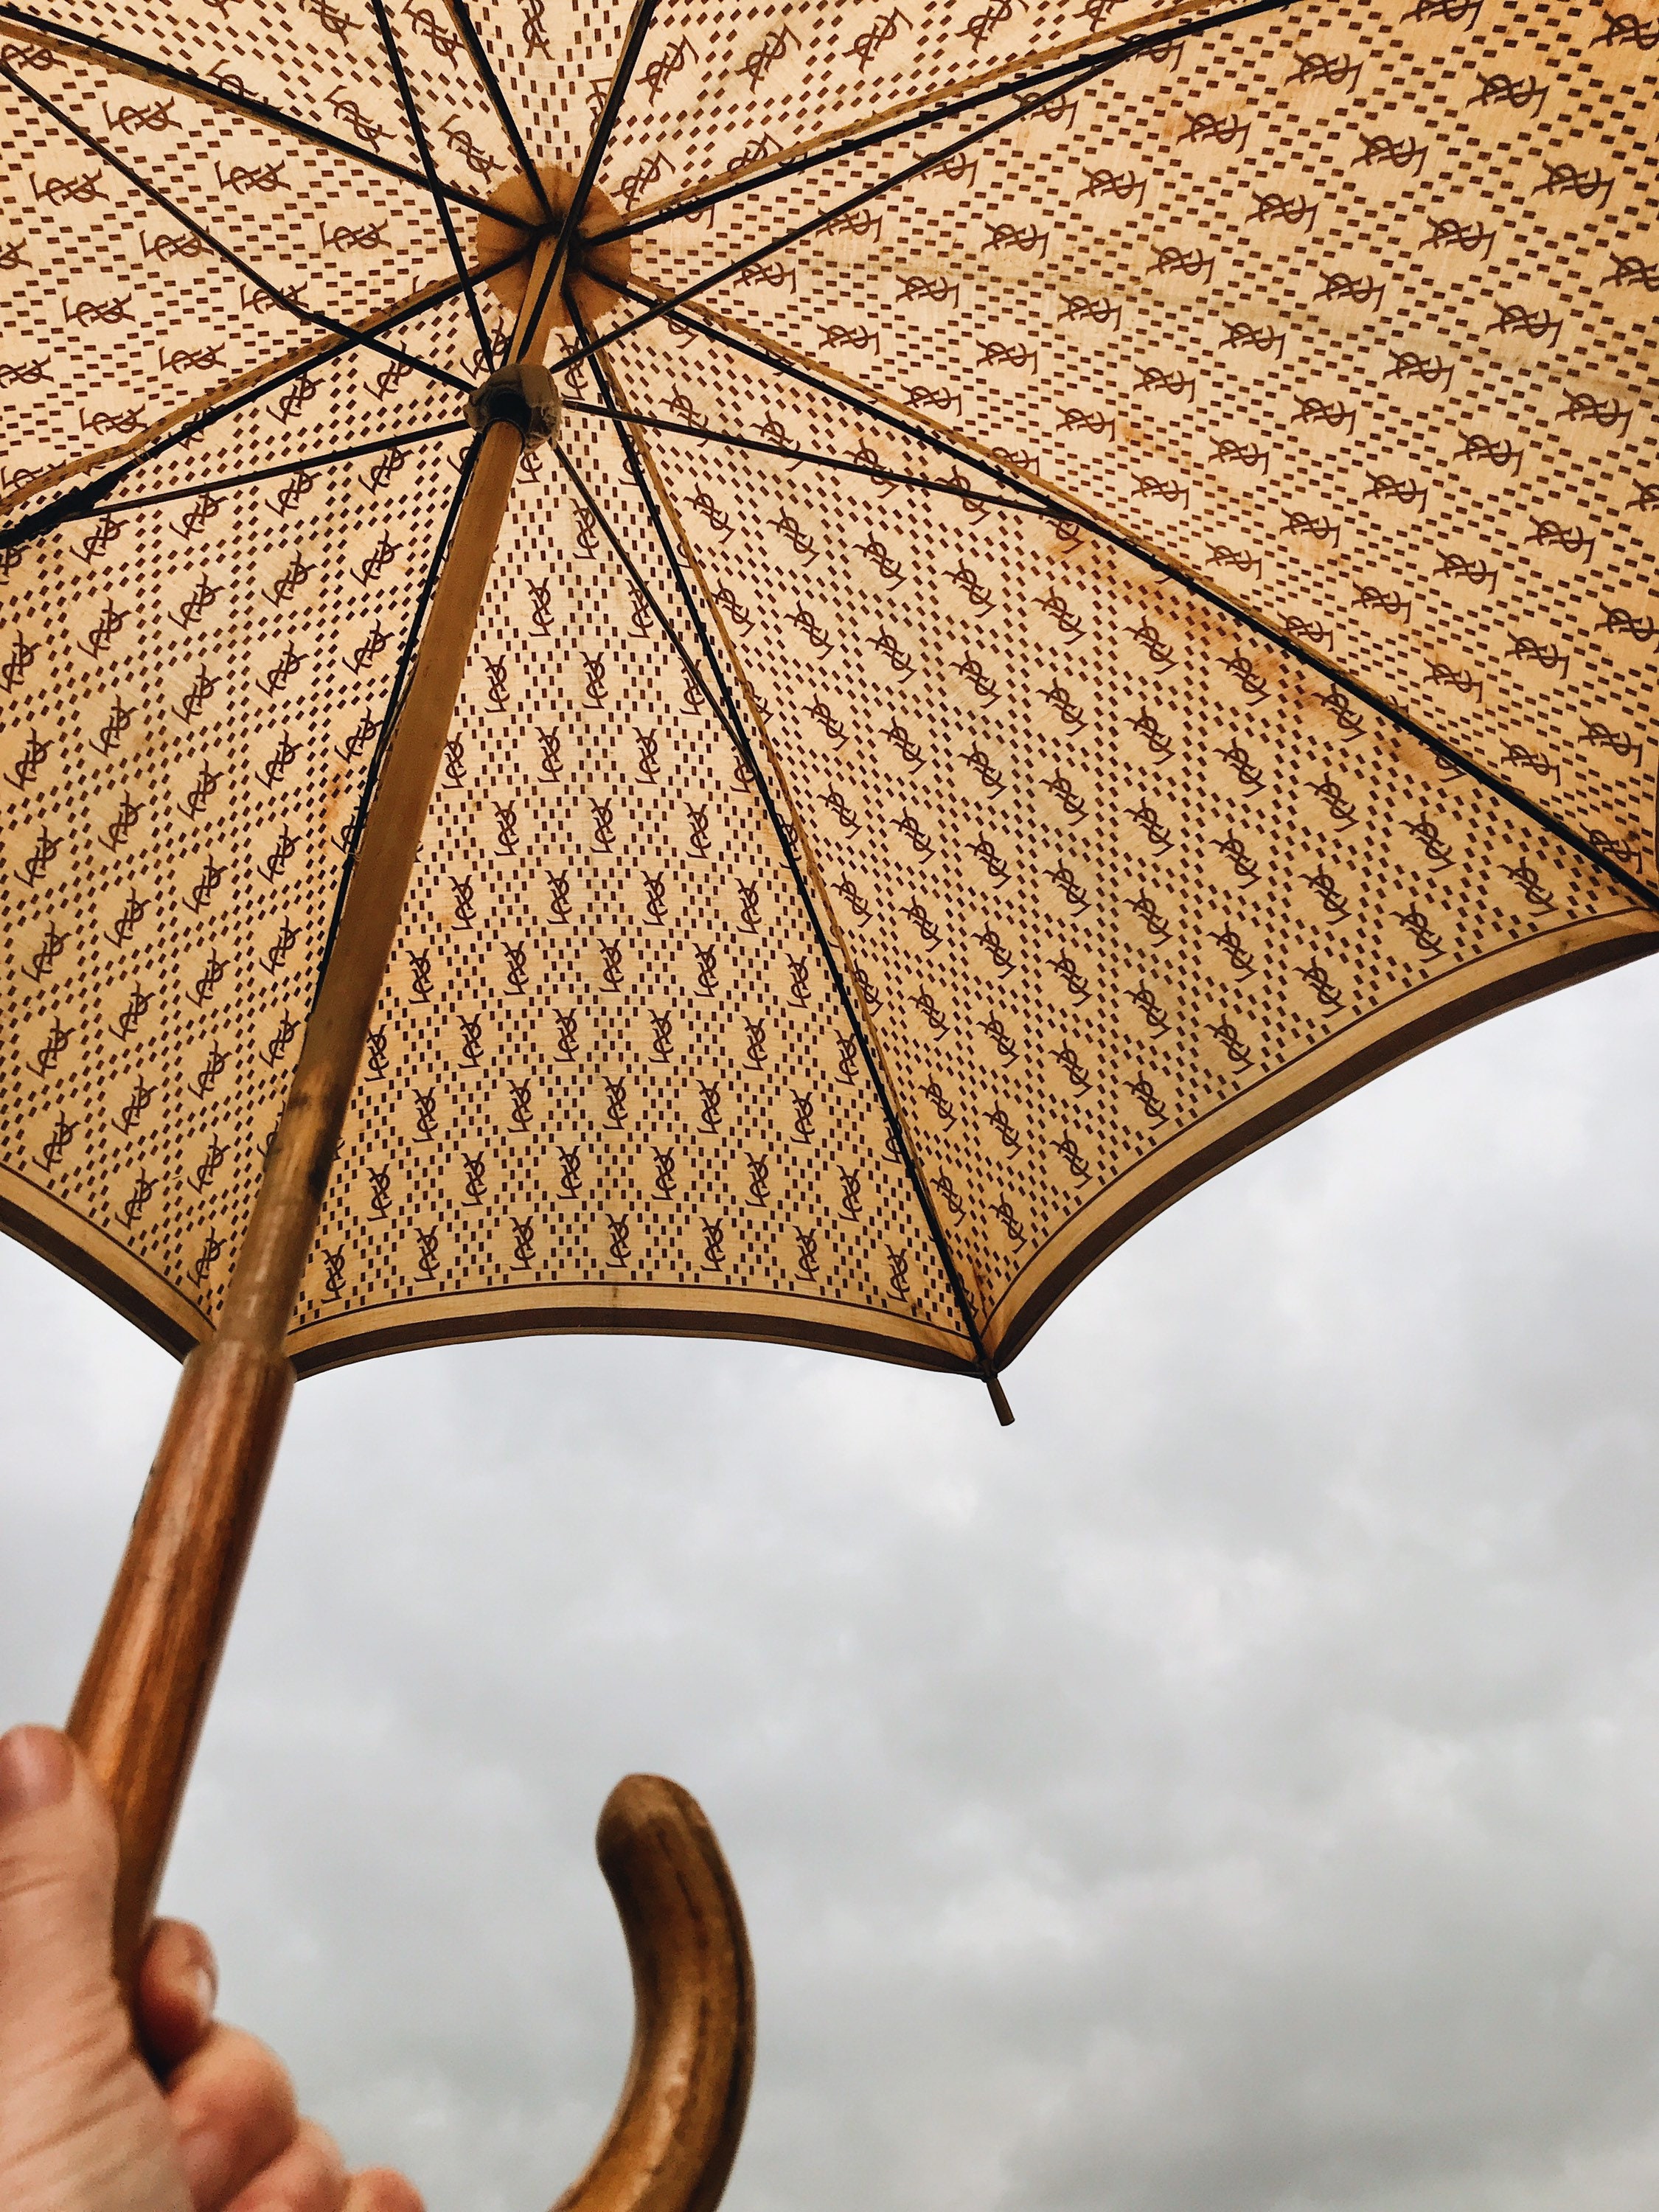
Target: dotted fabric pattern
(1042,883)
(608,1068)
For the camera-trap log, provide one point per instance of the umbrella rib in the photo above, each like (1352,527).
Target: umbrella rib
(461,17)
(1052,71)
(1058,507)
(243,268)
(423,148)
(727,714)
(793,456)
(193,417)
(693,666)
(610,114)
(660,511)
(395,700)
(283,469)
(1097,67)
(81,44)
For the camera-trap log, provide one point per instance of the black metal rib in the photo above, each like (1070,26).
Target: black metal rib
(283,469)
(243,268)
(791,455)
(636,576)
(86,499)
(1131,50)
(423,148)
(738,729)
(492,85)
(1053,75)
(257,110)
(726,713)
(394,701)
(1058,509)
(609,116)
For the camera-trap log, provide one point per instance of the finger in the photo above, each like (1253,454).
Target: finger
(309,2176)
(177,1984)
(379,2189)
(56,1883)
(233,2104)
(81,2120)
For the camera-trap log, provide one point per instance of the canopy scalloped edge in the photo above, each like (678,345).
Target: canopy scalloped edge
(1328,1075)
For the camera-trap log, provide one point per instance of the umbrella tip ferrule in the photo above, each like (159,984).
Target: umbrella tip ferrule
(1004,1412)
(522,394)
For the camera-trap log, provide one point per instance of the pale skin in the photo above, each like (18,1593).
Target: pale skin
(206,2120)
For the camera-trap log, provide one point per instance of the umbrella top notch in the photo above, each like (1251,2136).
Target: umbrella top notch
(596,268)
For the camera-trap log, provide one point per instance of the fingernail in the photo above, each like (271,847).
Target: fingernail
(205,1990)
(37,1769)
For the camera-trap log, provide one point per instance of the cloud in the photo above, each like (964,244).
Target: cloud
(1231,1786)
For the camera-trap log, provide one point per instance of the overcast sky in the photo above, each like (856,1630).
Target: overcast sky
(1235,1787)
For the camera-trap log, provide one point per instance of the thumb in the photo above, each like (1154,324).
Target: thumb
(56,1894)
(81,2122)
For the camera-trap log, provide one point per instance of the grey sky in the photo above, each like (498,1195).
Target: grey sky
(1232,1787)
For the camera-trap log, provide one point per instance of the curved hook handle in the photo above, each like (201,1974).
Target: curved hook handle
(671,2143)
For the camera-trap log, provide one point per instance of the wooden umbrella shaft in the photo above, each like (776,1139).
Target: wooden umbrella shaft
(144,1694)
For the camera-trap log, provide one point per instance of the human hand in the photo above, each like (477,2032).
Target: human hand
(85,2126)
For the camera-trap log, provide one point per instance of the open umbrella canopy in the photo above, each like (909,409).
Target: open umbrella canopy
(1090,597)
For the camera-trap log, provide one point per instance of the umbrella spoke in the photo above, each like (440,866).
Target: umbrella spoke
(1057,507)
(423,147)
(193,417)
(461,16)
(283,469)
(693,666)
(797,854)
(1097,66)
(82,45)
(1053,72)
(793,456)
(609,116)
(243,268)
(395,697)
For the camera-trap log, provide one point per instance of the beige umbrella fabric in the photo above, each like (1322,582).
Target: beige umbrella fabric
(1091,595)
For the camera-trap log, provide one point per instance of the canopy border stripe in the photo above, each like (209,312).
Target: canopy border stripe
(201,414)
(80,45)
(423,148)
(1085,72)
(1592,949)
(1056,67)
(226,253)
(800,860)
(820,378)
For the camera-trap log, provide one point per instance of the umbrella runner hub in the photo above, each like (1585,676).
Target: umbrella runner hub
(522,394)
(596,272)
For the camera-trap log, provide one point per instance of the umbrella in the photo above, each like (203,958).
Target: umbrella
(773,674)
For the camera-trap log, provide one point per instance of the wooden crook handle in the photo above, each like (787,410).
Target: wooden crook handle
(674,2134)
